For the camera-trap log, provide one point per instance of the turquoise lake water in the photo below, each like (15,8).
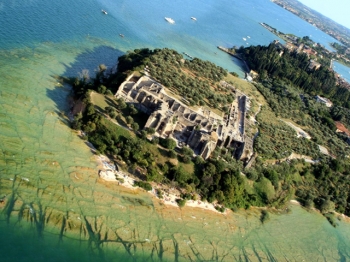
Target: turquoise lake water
(56,209)
(342,70)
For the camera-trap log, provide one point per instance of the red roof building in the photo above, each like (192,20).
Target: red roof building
(341,128)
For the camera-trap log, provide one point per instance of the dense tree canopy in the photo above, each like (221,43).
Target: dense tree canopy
(295,68)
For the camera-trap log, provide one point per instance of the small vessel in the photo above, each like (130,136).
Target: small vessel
(248,36)
(188,55)
(121,35)
(169,20)
(245,39)
(193,18)
(104,11)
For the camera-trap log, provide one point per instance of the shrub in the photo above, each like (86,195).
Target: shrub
(331,219)
(150,130)
(252,175)
(108,92)
(220,209)
(186,151)
(181,202)
(121,104)
(168,143)
(172,154)
(160,193)
(146,186)
(135,126)
(121,180)
(101,89)
(186,196)
(327,206)
(129,120)
(155,140)
(186,159)
(112,114)
(264,216)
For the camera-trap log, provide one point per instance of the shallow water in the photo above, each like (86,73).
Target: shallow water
(56,208)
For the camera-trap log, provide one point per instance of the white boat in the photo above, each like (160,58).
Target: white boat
(245,39)
(104,11)
(248,36)
(169,20)
(193,18)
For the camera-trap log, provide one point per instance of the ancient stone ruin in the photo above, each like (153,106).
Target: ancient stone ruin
(201,130)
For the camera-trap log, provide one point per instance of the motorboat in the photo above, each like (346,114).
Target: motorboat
(169,20)
(193,18)
(104,11)
(245,39)
(121,35)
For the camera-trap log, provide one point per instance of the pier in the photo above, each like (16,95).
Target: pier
(226,50)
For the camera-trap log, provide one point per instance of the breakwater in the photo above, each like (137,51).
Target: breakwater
(238,56)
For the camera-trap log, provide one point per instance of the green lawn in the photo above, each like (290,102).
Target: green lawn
(118,130)
(100,101)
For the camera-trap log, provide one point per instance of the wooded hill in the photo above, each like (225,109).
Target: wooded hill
(294,69)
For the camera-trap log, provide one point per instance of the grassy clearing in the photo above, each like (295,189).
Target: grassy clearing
(118,130)
(100,101)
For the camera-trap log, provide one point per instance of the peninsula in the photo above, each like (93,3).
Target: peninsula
(327,25)
(191,125)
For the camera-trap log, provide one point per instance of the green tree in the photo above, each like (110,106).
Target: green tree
(135,126)
(265,216)
(172,154)
(150,130)
(129,120)
(146,186)
(234,74)
(153,174)
(168,143)
(155,140)
(101,89)
(186,159)
(327,206)
(132,110)
(186,151)
(121,104)
(108,92)
(181,202)
(89,127)
(90,109)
